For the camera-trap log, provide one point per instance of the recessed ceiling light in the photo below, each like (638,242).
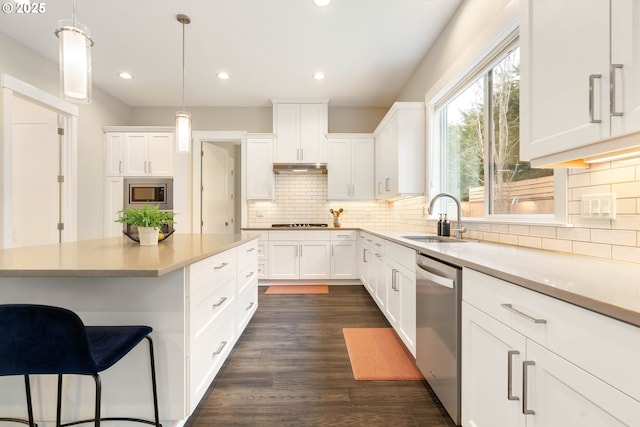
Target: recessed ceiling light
(319,75)
(223,75)
(125,75)
(321,2)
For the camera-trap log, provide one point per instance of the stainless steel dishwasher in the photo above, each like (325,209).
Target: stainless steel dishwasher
(438,299)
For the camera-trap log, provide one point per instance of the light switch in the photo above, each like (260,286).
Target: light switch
(598,206)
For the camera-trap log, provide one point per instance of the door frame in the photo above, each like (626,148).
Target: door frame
(11,86)
(237,138)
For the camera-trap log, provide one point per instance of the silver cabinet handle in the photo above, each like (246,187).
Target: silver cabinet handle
(249,275)
(223,265)
(510,355)
(592,78)
(364,255)
(387,186)
(301,154)
(249,306)
(150,170)
(251,249)
(378,244)
(522,314)
(378,255)
(525,383)
(219,303)
(343,235)
(300,251)
(219,350)
(394,279)
(332,246)
(120,166)
(612,90)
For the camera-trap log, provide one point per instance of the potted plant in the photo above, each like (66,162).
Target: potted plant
(148,220)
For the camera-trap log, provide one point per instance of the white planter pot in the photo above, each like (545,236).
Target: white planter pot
(148,236)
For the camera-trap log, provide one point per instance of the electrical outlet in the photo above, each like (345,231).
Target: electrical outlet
(598,206)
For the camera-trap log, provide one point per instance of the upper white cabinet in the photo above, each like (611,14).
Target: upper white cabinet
(400,152)
(300,130)
(259,167)
(579,79)
(350,169)
(139,153)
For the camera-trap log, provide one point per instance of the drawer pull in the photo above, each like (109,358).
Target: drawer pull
(249,306)
(219,303)
(378,244)
(251,249)
(342,235)
(510,355)
(521,314)
(223,265)
(249,275)
(525,383)
(219,350)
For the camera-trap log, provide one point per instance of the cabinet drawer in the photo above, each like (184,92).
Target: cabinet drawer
(263,269)
(300,235)
(401,254)
(216,268)
(208,354)
(263,249)
(247,304)
(376,242)
(247,254)
(343,235)
(209,304)
(598,344)
(246,275)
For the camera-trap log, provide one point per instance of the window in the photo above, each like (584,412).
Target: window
(476,140)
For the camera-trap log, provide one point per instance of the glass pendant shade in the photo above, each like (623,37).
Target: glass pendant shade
(183,131)
(75,61)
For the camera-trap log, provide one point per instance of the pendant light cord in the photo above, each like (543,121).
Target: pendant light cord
(183,68)
(73,13)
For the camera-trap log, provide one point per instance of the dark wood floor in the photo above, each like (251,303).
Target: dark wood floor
(291,368)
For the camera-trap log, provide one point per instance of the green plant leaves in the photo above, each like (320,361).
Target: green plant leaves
(147,216)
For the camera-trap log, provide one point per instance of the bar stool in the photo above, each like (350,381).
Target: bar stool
(41,339)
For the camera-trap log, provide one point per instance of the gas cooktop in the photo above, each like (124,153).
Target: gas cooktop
(299,225)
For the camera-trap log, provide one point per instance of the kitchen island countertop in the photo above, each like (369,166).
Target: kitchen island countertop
(115,257)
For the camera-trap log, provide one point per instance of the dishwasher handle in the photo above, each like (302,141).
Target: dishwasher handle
(435,276)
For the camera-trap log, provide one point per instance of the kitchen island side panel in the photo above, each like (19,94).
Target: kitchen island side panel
(159,302)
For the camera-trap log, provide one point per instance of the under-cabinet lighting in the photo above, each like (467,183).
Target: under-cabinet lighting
(628,153)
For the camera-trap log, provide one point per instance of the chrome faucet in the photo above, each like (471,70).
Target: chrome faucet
(460,229)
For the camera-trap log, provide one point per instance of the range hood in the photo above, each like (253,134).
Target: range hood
(300,168)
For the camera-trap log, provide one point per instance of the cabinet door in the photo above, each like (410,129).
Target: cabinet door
(390,154)
(363,261)
(313,130)
(287,129)
(362,169)
(315,260)
(114,203)
(344,260)
(136,154)
(379,280)
(339,174)
(625,52)
(491,392)
(260,180)
(114,153)
(562,394)
(284,259)
(392,308)
(564,46)
(406,289)
(160,154)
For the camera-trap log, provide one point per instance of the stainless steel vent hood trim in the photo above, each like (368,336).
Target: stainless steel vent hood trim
(300,168)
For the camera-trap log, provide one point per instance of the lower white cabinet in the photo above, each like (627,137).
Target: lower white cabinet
(344,253)
(299,255)
(531,360)
(222,298)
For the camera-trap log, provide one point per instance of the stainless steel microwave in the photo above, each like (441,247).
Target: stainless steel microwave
(148,191)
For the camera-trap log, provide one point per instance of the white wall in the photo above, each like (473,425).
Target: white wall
(24,64)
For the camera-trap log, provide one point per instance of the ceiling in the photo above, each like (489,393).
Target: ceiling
(271,48)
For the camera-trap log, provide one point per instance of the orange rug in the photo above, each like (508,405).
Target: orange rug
(296,289)
(378,354)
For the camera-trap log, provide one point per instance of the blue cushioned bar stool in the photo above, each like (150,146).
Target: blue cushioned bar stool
(40,339)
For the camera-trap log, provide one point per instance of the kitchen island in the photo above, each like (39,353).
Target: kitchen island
(198,292)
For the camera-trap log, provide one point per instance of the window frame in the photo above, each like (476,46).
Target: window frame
(479,68)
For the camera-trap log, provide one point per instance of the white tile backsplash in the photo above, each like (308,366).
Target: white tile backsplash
(304,199)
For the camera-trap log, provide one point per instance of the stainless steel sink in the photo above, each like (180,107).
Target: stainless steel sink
(433,239)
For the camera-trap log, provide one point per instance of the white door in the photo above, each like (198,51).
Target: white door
(339,174)
(287,128)
(315,261)
(362,169)
(260,178)
(344,257)
(284,260)
(406,285)
(215,190)
(161,154)
(136,154)
(36,200)
(313,140)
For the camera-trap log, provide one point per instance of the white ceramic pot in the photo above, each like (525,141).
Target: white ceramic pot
(148,236)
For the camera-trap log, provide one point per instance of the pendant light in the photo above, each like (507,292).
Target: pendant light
(183,119)
(75,59)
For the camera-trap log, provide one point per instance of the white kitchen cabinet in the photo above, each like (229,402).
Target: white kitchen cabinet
(259,167)
(246,283)
(350,169)
(114,202)
(344,254)
(148,154)
(263,254)
(578,79)
(300,130)
(400,152)
(531,360)
(299,255)
(365,250)
(114,153)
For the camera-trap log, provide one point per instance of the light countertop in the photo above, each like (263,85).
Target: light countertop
(607,287)
(115,257)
